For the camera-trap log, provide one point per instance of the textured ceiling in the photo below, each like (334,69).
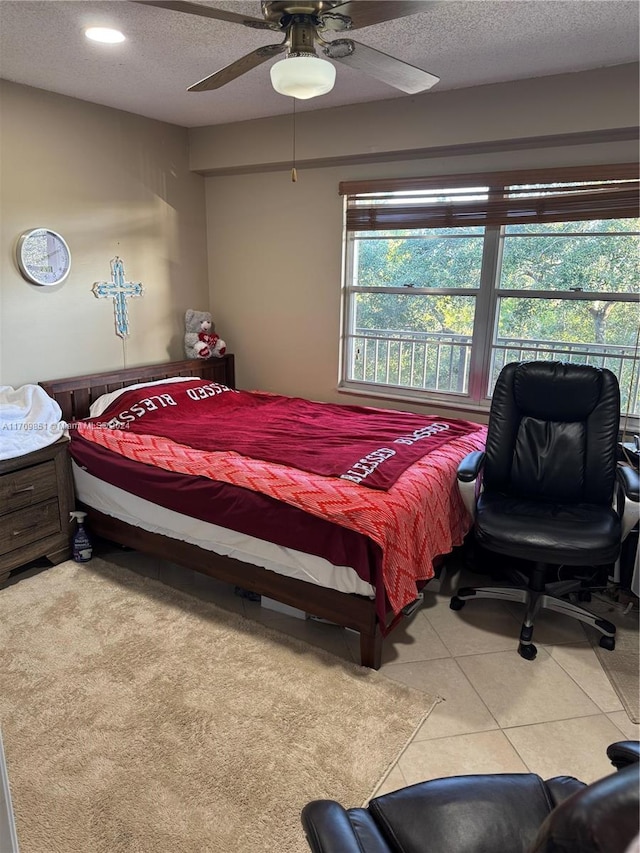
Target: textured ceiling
(464,43)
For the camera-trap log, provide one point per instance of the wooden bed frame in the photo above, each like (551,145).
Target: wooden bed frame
(75,395)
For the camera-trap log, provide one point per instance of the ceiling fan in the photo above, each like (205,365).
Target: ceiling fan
(305,24)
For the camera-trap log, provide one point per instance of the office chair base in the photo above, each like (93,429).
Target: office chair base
(534,601)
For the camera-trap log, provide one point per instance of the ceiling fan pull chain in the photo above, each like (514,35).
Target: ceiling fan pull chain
(294,172)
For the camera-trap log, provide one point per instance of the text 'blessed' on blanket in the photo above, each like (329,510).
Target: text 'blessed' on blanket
(368,446)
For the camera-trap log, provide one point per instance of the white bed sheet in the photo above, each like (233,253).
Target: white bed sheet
(139,512)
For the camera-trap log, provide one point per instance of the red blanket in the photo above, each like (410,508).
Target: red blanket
(419,517)
(367,446)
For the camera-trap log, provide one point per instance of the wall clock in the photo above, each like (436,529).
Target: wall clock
(43,256)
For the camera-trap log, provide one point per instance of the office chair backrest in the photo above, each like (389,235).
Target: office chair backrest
(553,430)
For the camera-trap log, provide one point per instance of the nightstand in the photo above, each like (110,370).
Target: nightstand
(36,497)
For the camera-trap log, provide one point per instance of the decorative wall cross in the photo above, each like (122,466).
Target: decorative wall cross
(119,290)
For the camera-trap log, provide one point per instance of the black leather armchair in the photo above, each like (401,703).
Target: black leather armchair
(548,489)
(499,813)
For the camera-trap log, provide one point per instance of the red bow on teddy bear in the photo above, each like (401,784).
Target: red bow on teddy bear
(210,341)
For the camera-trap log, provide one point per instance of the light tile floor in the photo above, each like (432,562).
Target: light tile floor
(498,713)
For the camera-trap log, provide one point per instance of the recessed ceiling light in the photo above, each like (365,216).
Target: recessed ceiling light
(104,34)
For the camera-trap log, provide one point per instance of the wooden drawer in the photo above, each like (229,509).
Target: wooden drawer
(26,487)
(20,528)
(36,497)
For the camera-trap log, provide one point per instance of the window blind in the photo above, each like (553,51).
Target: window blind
(494,198)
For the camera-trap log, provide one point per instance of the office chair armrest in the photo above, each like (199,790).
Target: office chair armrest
(629,479)
(328,828)
(468,479)
(624,753)
(469,467)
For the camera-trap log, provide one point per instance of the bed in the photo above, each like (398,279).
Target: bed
(223,525)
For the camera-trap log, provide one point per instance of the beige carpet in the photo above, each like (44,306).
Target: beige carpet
(138,719)
(622,665)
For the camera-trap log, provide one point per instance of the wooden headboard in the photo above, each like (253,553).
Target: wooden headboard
(75,394)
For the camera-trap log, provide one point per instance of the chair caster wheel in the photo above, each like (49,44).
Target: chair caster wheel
(608,643)
(528,651)
(456,603)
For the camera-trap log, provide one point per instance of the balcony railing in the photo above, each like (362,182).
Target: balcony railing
(440,361)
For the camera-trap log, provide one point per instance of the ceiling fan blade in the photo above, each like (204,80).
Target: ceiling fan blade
(239,67)
(210,12)
(380,65)
(364,13)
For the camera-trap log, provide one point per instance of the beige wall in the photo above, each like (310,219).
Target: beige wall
(413,126)
(275,247)
(112,184)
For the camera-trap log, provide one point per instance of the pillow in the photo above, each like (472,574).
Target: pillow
(102,403)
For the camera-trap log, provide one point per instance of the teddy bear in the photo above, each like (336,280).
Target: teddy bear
(200,338)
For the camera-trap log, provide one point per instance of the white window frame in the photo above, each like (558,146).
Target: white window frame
(487,296)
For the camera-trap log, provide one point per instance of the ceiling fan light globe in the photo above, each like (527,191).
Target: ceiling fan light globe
(303,76)
(105,35)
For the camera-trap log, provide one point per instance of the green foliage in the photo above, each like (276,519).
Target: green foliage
(558,257)
(547,259)
(561,258)
(444,261)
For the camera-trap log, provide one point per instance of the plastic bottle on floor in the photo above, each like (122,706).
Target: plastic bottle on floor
(82,548)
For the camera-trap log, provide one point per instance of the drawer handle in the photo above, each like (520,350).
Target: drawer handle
(20,491)
(24,529)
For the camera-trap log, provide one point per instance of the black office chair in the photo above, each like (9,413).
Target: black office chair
(490,813)
(548,488)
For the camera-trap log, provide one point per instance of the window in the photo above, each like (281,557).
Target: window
(447,279)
